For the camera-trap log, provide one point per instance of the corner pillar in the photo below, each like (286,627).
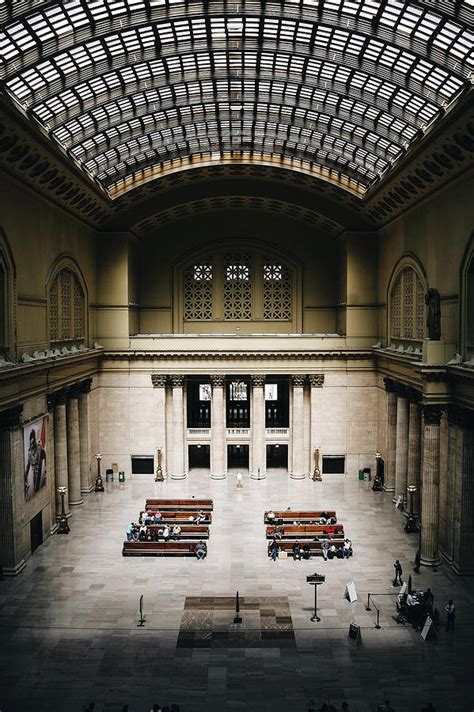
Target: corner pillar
(84,436)
(298,469)
(401,446)
(10,453)
(177,438)
(218,470)
(259,454)
(73,449)
(430,486)
(389,474)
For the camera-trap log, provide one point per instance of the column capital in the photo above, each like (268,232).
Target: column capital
(432,414)
(457,415)
(57,398)
(258,380)
(316,380)
(391,386)
(85,386)
(74,391)
(217,380)
(177,380)
(298,379)
(413,395)
(158,380)
(11,418)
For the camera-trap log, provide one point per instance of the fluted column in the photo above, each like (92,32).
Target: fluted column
(84,436)
(217,428)
(414,445)
(297,469)
(316,382)
(9,455)
(58,400)
(389,474)
(430,486)
(259,455)
(463,494)
(73,448)
(159,385)
(177,469)
(401,446)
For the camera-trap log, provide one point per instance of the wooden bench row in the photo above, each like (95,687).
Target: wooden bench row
(307,531)
(184,505)
(188,531)
(158,548)
(314,546)
(178,517)
(289,516)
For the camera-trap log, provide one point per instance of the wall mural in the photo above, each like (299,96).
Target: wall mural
(34,445)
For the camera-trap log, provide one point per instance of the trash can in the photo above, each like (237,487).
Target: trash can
(109,475)
(361,475)
(367,475)
(121,476)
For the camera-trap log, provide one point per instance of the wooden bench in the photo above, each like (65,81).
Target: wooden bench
(158,548)
(188,531)
(179,505)
(181,518)
(307,531)
(314,546)
(288,516)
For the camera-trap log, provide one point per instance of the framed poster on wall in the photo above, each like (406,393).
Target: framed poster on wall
(34,446)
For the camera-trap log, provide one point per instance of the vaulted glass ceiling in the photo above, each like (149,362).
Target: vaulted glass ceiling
(131,89)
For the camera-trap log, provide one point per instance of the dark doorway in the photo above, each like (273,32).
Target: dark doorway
(277,409)
(198,398)
(238,457)
(199,457)
(36,531)
(334,464)
(238,403)
(277,456)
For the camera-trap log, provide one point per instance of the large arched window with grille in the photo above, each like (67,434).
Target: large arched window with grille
(67,308)
(7,301)
(245,286)
(407,310)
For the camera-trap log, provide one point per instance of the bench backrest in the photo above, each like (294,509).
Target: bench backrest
(313,545)
(179,504)
(293,516)
(307,530)
(181,517)
(159,545)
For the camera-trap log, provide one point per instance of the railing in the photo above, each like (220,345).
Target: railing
(199,432)
(239,432)
(277,432)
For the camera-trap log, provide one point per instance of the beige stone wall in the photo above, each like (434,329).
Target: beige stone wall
(38,234)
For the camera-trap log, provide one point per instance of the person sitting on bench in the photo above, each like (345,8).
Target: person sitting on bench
(274,549)
(176,531)
(347,548)
(306,551)
(200,550)
(297,551)
(158,517)
(325,550)
(166,532)
(201,517)
(142,534)
(271,516)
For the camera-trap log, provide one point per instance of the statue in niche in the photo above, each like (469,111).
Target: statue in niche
(433,321)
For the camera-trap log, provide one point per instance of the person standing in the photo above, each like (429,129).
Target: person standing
(274,550)
(451,612)
(417,562)
(325,549)
(397,581)
(297,551)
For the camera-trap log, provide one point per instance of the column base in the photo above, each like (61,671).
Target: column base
(54,528)
(432,563)
(179,477)
(297,476)
(14,570)
(87,489)
(76,502)
(67,515)
(215,476)
(258,475)
(388,488)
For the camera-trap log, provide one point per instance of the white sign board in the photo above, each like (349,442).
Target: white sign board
(399,502)
(426,627)
(351,592)
(402,591)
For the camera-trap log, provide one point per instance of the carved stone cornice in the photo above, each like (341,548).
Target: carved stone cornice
(217,380)
(340,355)
(11,418)
(298,380)
(258,380)
(435,376)
(158,380)
(177,380)
(316,380)
(432,414)
(85,386)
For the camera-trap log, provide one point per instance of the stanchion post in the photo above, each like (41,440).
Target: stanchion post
(377,625)
(368,608)
(141,622)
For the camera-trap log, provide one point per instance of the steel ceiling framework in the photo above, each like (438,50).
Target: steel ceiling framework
(130,89)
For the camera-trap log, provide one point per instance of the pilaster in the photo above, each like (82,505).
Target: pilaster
(389,477)
(297,471)
(218,470)
(10,433)
(177,467)
(84,436)
(414,444)
(316,382)
(259,455)
(159,382)
(430,486)
(73,451)
(401,445)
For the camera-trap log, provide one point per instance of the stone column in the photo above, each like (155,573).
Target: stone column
(177,438)
(401,446)
(297,470)
(9,422)
(414,445)
(430,485)
(463,494)
(389,474)
(259,453)
(316,382)
(58,402)
(84,436)
(159,385)
(217,428)
(73,450)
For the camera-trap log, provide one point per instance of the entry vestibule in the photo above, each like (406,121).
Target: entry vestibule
(277,456)
(199,457)
(238,456)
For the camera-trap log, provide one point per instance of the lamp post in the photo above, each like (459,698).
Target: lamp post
(99,482)
(63,527)
(411,491)
(159,470)
(316,472)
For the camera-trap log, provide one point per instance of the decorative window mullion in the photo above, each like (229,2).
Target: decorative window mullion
(257,288)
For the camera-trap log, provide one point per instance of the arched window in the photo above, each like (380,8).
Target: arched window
(407,308)
(467,303)
(67,309)
(198,290)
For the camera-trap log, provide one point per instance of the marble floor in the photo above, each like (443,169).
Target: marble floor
(68,623)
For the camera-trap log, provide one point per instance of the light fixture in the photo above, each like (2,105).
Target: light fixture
(63,527)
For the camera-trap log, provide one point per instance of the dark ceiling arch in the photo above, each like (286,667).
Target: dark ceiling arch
(409,62)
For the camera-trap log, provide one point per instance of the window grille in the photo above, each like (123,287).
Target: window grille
(407,307)
(66,308)
(277,292)
(237,287)
(198,291)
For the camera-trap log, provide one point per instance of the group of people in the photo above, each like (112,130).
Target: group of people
(323,519)
(142,532)
(329,551)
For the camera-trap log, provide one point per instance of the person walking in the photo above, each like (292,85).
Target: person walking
(417,562)
(397,581)
(451,613)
